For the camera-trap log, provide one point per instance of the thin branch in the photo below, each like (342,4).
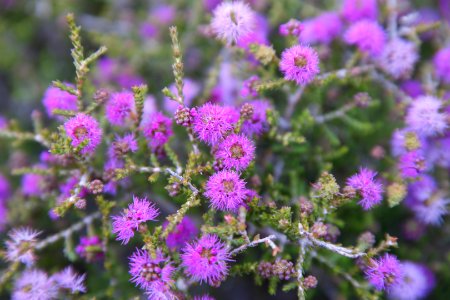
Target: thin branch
(335,114)
(300,261)
(254,243)
(180,178)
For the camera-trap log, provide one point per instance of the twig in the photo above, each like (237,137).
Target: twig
(25,136)
(390,86)
(300,260)
(335,114)
(179,177)
(67,232)
(254,243)
(292,102)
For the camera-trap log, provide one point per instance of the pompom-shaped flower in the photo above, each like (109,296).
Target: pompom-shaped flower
(20,245)
(300,64)
(368,187)
(442,64)
(68,279)
(248,89)
(411,164)
(292,27)
(384,272)
(33,184)
(55,98)
(232,20)
(368,36)
(140,211)
(83,128)
(157,129)
(120,108)
(415,283)
(398,58)
(212,122)
(206,260)
(151,274)
(321,29)
(432,211)
(183,232)
(34,284)
(258,123)
(236,151)
(355,10)
(424,117)
(125,144)
(226,191)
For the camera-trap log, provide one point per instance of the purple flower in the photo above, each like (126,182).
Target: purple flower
(292,27)
(232,20)
(368,36)
(236,151)
(212,122)
(34,284)
(3,122)
(258,123)
(68,279)
(355,10)
(84,127)
(140,211)
(398,58)
(300,64)
(163,14)
(204,297)
(157,129)
(20,245)
(423,188)
(120,108)
(432,211)
(424,117)
(411,164)
(248,89)
(55,98)
(226,191)
(384,272)
(90,248)
(190,91)
(151,274)
(125,144)
(256,36)
(183,232)
(442,64)
(368,187)
(5,189)
(321,29)
(148,30)
(32,185)
(415,283)
(412,88)
(206,260)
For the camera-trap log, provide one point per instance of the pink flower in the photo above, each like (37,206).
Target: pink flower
(398,58)
(120,108)
(236,151)
(384,272)
(232,20)
(183,232)
(411,164)
(90,248)
(355,10)
(258,123)
(299,64)
(157,129)
(125,144)
(442,64)
(212,122)
(369,188)
(424,117)
(248,90)
(226,191)
(321,29)
(55,98)
(20,245)
(206,260)
(84,127)
(140,211)
(367,35)
(292,27)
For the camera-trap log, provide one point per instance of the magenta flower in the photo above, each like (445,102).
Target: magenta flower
(416,283)
(69,280)
(292,27)
(212,122)
(185,231)
(299,64)
(157,129)
(55,98)
(355,10)
(120,108)
(431,211)
(5,189)
(383,272)
(204,297)
(235,151)
(206,260)
(90,248)
(412,88)
(321,29)
(368,36)
(232,20)
(258,123)
(84,127)
(20,245)
(369,188)
(226,191)
(248,89)
(398,58)
(32,185)
(411,164)
(127,143)
(150,274)
(34,284)
(442,64)
(138,212)
(424,117)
